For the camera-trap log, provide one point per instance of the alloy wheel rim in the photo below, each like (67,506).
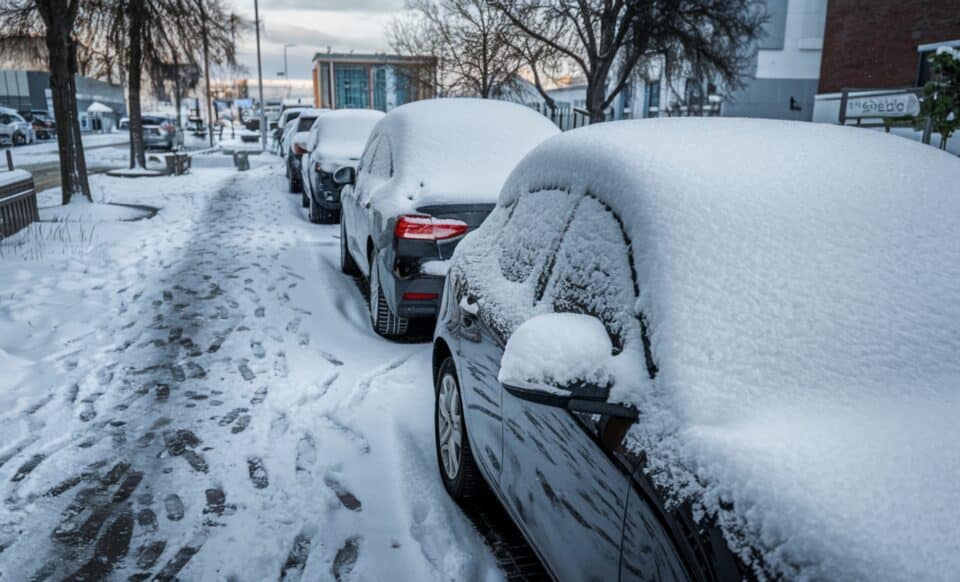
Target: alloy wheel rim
(449,426)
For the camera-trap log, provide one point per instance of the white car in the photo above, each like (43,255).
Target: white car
(14,129)
(282,123)
(295,142)
(336,139)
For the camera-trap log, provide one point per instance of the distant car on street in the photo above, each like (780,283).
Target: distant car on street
(669,365)
(295,143)
(431,171)
(336,140)
(161,132)
(44,126)
(285,116)
(14,128)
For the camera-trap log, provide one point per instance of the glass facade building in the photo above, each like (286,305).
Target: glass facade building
(380,82)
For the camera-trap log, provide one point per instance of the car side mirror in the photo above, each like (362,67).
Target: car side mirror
(345,176)
(562,360)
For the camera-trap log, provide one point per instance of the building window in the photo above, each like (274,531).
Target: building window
(380,89)
(353,86)
(651,99)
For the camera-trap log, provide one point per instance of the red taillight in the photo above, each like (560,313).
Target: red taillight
(419,296)
(298,150)
(167,126)
(416,227)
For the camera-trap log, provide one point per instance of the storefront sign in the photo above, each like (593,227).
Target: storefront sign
(899,105)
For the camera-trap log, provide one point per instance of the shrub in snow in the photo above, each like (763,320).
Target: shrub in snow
(941,96)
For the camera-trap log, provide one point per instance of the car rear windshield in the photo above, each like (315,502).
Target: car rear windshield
(151,120)
(304,123)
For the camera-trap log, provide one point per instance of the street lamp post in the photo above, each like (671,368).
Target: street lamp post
(263,114)
(286,75)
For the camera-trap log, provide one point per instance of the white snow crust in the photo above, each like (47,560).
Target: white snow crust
(454,150)
(341,136)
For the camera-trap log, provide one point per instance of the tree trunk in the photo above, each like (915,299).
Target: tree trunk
(61,47)
(596,93)
(137,14)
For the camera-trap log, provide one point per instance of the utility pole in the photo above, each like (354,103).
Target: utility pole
(286,75)
(206,69)
(263,114)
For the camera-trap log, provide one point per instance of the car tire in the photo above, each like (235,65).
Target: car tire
(304,202)
(347,265)
(19,139)
(384,321)
(455,461)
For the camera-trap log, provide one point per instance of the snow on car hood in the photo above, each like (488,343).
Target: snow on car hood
(457,150)
(801,287)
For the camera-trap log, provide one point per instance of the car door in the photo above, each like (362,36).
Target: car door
(350,200)
(522,258)
(566,486)
(376,181)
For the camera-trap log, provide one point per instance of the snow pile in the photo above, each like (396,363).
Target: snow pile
(803,312)
(12,177)
(341,136)
(462,150)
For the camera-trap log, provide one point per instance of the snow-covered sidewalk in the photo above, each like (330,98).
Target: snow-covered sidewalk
(200,395)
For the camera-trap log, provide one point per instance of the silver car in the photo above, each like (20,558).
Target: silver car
(161,132)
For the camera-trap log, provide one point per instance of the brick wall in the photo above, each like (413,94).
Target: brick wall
(872,44)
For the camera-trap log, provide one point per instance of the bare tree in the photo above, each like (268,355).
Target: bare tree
(471,39)
(608,39)
(54,21)
(154,34)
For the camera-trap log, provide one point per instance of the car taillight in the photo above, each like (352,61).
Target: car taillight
(420,227)
(298,150)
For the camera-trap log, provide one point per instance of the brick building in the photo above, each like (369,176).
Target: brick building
(881,45)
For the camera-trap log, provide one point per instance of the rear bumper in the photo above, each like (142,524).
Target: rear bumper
(426,289)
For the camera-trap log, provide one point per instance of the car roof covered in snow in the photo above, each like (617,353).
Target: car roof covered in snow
(801,283)
(342,134)
(460,149)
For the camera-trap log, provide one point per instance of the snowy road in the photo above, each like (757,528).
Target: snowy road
(213,405)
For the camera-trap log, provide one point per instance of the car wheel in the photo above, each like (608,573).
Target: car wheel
(384,321)
(329,216)
(304,202)
(19,139)
(347,265)
(458,469)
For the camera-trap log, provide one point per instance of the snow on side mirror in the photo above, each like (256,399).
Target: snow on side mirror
(345,175)
(562,360)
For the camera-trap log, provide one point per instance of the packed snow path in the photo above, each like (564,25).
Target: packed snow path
(243,424)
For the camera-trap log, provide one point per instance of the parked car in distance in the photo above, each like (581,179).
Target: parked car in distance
(124,123)
(431,171)
(16,129)
(286,115)
(669,370)
(295,144)
(44,126)
(161,132)
(336,140)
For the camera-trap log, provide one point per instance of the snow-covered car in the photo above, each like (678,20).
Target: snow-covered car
(670,364)
(337,139)
(295,143)
(16,130)
(124,123)
(161,131)
(285,117)
(430,172)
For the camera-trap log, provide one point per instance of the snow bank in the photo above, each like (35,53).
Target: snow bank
(801,288)
(7,177)
(461,150)
(341,136)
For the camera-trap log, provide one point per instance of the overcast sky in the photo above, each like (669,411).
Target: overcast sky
(313,25)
